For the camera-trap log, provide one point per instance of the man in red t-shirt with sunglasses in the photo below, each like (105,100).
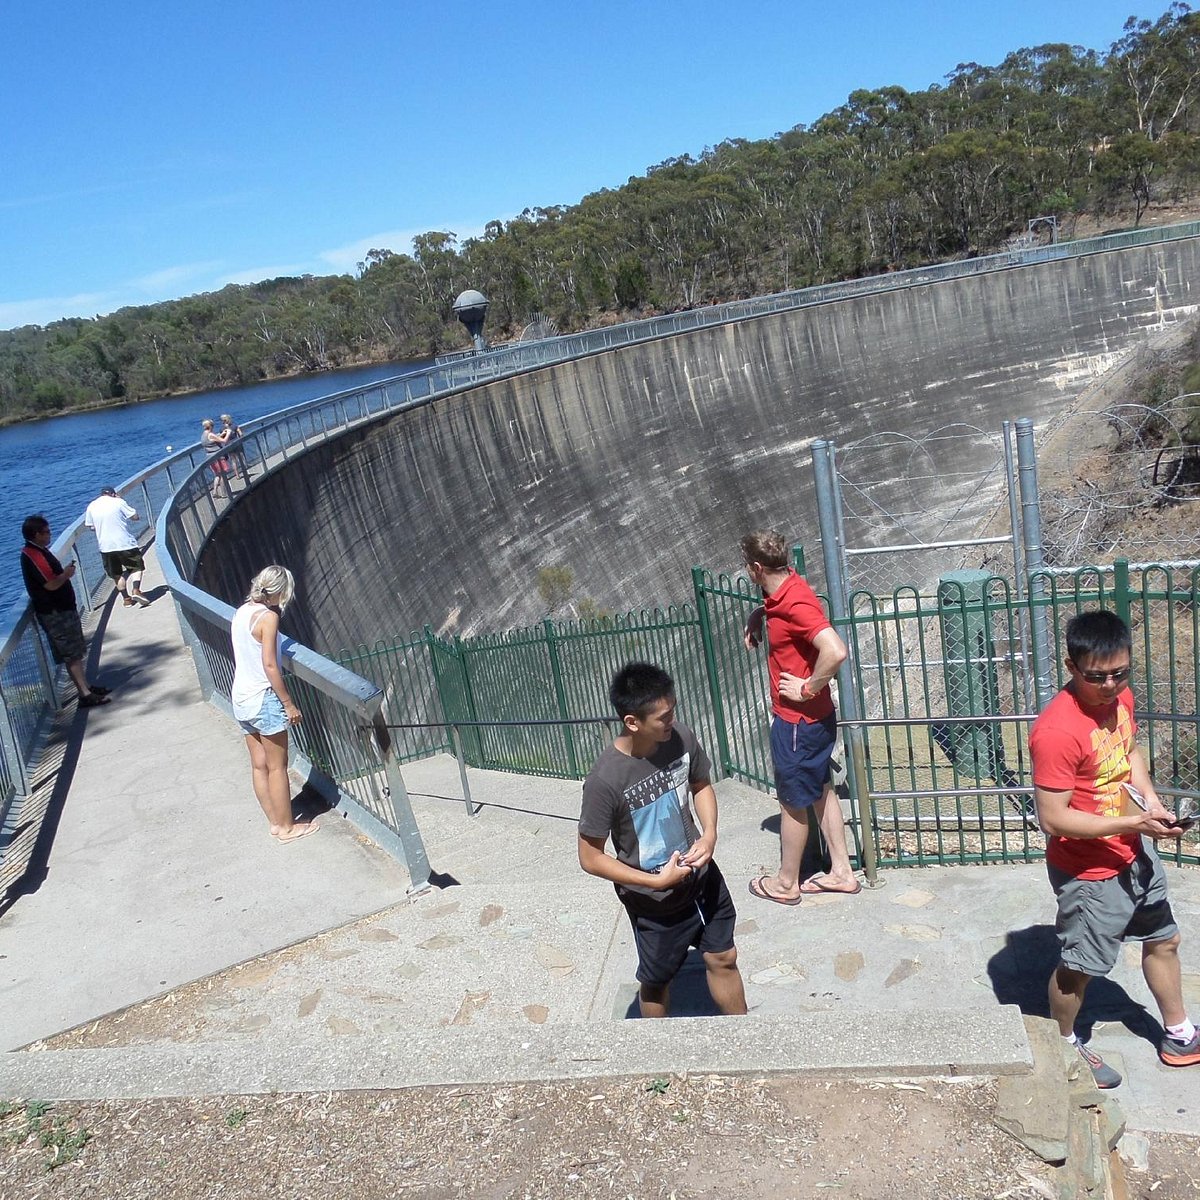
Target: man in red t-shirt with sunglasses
(1097,803)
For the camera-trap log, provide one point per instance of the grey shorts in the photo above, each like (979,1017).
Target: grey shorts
(1096,915)
(65,633)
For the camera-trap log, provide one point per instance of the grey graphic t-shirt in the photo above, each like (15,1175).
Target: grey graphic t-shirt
(645,806)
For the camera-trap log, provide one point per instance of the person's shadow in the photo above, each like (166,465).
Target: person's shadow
(1020,974)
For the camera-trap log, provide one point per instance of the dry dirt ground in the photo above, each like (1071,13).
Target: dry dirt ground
(704,1136)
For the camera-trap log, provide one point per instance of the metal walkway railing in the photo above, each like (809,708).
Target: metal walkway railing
(174,495)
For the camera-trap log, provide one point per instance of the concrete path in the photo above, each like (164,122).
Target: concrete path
(230,963)
(162,869)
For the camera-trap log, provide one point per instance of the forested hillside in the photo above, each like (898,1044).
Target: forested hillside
(890,179)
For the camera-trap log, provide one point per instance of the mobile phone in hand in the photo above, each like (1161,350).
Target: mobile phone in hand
(1187,813)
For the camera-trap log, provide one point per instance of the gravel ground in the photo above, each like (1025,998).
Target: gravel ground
(704,1136)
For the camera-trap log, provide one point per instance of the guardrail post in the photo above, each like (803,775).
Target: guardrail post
(45,667)
(456,739)
(560,694)
(148,512)
(404,822)
(84,587)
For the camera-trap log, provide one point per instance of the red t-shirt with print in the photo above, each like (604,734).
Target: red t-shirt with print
(794,618)
(1086,752)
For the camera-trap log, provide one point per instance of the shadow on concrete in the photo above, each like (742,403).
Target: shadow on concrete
(157,593)
(57,763)
(1020,974)
(55,772)
(816,857)
(481,805)
(689,992)
(308,803)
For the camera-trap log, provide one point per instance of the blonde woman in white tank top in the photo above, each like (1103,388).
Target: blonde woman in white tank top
(262,704)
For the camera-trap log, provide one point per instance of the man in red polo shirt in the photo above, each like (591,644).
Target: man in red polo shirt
(48,583)
(1098,806)
(804,653)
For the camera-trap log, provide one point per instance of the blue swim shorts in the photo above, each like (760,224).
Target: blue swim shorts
(801,755)
(271,718)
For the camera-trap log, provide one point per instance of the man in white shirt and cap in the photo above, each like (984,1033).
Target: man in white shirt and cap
(113,520)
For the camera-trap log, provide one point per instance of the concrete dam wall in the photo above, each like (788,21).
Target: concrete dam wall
(633,465)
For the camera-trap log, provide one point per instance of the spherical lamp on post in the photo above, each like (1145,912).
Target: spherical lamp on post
(471,309)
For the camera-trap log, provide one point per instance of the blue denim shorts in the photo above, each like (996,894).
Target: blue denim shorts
(801,755)
(271,718)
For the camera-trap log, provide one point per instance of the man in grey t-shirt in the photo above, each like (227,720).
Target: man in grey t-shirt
(640,793)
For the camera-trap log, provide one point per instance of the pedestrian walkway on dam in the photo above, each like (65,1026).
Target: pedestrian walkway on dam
(170,947)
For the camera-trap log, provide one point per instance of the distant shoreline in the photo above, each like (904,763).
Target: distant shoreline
(183,393)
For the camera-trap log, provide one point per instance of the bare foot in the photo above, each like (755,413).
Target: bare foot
(299,830)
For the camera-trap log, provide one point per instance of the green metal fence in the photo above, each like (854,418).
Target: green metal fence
(946,683)
(553,671)
(945,680)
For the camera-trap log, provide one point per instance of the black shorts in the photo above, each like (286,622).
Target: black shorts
(122,562)
(663,940)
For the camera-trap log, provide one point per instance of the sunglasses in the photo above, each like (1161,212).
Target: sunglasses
(1100,677)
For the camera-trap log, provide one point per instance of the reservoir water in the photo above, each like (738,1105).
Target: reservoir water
(59,465)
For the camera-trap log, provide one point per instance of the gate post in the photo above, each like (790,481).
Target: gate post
(829,515)
(1122,590)
(1031,523)
(710,669)
(560,695)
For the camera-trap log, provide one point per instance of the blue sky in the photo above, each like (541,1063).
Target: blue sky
(152,151)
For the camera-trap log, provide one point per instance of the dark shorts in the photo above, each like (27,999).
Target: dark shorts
(121,562)
(65,632)
(801,755)
(1096,915)
(663,941)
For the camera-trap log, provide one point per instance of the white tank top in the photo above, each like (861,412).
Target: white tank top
(250,682)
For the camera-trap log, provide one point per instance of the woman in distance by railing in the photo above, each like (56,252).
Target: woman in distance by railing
(261,702)
(214,447)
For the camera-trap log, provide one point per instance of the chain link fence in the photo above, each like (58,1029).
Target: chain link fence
(1127,485)
(903,497)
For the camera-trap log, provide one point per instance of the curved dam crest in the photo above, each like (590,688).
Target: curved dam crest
(632,465)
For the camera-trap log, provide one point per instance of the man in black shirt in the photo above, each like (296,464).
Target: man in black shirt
(640,792)
(49,586)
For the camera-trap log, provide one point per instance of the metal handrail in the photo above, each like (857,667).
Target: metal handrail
(27,682)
